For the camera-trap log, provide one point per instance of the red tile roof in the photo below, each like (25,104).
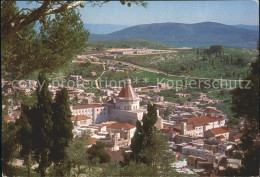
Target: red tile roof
(220,130)
(87,106)
(127,91)
(7,118)
(211,110)
(236,137)
(93,140)
(199,121)
(80,117)
(190,127)
(177,129)
(121,126)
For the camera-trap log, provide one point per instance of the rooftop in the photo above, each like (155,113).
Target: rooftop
(121,126)
(127,91)
(87,106)
(220,130)
(199,121)
(211,110)
(7,118)
(80,117)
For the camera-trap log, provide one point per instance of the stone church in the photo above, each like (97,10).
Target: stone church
(126,106)
(123,108)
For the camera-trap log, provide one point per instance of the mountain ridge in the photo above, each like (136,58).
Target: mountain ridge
(196,34)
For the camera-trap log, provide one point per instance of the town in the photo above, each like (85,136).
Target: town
(130,88)
(198,137)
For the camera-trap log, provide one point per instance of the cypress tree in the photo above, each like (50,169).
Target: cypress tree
(148,145)
(41,116)
(245,104)
(25,136)
(62,126)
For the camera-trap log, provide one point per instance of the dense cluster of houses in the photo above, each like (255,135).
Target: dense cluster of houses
(200,134)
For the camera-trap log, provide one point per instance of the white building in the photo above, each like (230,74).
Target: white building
(81,120)
(220,132)
(124,108)
(98,112)
(196,126)
(126,130)
(192,150)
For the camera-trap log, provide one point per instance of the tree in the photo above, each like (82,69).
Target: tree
(149,146)
(9,145)
(62,35)
(21,19)
(240,61)
(24,135)
(59,39)
(41,118)
(218,49)
(62,127)
(245,104)
(166,65)
(166,113)
(97,151)
(76,154)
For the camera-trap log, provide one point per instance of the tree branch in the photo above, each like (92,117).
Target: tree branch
(64,7)
(46,8)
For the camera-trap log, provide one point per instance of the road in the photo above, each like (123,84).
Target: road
(96,81)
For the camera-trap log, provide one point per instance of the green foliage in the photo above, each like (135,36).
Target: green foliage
(98,154)
(216,49)
(149,146)
(77,155)
(245,104)
(41,118)
(166,113)
(240,62)
(9,143)
(24,136)
(214,67)
(62,126)
(86,69)
(61,38)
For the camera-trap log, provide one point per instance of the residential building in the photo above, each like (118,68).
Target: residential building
(80,120)
(98,112)
(220,132)
(196,126)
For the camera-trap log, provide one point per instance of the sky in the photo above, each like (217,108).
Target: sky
(226,12)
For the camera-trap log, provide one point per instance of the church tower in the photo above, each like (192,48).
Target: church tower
(127,99)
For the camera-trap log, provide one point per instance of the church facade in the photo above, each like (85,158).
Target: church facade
(123,108)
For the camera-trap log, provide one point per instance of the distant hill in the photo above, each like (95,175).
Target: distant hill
(130,43)
(199,34)
(104,28)
(250,27)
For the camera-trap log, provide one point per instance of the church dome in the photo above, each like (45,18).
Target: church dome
(127,91)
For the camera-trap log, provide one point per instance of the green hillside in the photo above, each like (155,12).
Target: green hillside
(129,43)
(234,64)
(199,34)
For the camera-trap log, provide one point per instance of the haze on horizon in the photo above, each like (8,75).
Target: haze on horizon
(226,12)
